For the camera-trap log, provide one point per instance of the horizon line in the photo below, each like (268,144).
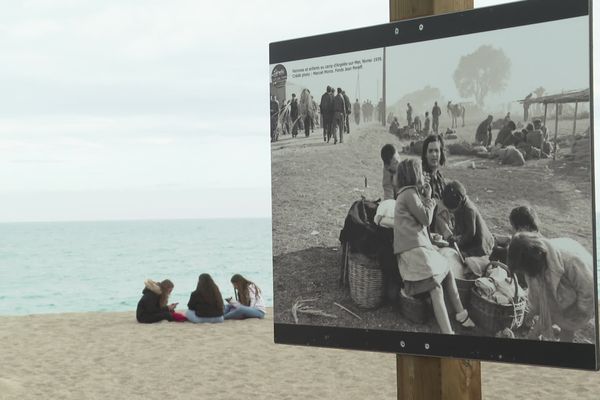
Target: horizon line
(136,219)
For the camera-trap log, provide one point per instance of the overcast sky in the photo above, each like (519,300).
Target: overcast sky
(145,109)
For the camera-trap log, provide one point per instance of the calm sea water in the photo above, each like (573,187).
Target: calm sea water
(101,266)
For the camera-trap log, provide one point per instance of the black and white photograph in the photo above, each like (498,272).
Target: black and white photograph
(449,191)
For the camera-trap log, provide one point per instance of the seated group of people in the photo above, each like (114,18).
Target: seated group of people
(558,272)
(532,140)
(205,304)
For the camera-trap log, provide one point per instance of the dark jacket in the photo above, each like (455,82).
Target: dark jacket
(339,105)
(326,105)
(202,308)
(347,104)
(470,230)
(294,109)
(149,310)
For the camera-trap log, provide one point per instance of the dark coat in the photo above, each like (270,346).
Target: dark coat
(471,232)
(149,309)
(202,308)
(339,105)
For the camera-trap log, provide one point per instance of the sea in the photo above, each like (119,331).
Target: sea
(59,267)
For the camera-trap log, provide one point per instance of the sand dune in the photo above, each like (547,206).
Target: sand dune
(110,356)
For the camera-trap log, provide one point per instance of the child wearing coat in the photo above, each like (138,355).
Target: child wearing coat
(470,231)
(422,268)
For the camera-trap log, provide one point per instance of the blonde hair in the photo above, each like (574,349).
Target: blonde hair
(409,173)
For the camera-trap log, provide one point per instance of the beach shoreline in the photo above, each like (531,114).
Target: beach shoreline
(110,356)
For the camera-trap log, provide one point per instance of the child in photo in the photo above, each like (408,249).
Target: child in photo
(470,231)
(422,268)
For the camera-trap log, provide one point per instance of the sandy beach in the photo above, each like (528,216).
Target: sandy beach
(111,356)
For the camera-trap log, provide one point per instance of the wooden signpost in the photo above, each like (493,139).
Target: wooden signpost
(430,378)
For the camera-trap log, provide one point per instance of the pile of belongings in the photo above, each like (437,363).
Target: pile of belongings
(508,155)
(385,213)
(497,287)
(374,240)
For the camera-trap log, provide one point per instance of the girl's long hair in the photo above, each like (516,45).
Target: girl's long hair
(242,292)
(165,288)
(409,173)
(209,292)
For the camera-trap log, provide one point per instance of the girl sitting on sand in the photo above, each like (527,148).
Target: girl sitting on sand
(206,303)
(422,268)
(153,307)
(560,278)
(470,231)
(248,300)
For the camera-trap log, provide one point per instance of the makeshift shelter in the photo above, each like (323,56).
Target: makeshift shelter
(579,96)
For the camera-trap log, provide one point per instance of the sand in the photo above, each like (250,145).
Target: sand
(110,356)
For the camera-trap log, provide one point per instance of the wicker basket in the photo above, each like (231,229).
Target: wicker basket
(493,317)
(464,287)
(417,310)
(366,280)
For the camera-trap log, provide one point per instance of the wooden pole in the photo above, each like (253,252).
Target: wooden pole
(555,129)
(429,378)
(545,112)
(575,117)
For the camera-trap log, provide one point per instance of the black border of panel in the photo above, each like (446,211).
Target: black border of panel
(435,27)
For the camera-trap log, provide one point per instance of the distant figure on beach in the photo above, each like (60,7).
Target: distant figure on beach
(409,112)
(483,135)
(206,302)
(506,136)
(339,117)
(560,280)
(326,107)
(436,111)
(356,110)
(153,307)
(391,159)
(423,269)
(294,115)
(426,124)
(348,106)
(248,301)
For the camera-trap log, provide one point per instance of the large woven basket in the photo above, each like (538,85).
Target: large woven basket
(366,280)
(493,317)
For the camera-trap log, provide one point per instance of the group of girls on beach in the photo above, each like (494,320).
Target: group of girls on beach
(558,272)
(205,305)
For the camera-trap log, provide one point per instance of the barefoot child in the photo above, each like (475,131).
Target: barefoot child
(422,268)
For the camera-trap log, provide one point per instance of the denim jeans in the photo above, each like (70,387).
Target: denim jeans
(242,312)
(192,317)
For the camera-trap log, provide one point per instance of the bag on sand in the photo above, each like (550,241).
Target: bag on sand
(178,317)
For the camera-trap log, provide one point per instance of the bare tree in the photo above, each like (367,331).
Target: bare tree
(482,72)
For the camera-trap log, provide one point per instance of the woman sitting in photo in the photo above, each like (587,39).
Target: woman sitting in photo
(470,231)
(248,300)
(206,303)
(560,278)
(153,307)
(421,267)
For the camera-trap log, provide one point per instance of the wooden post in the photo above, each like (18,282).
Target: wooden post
(555,129)
(545,112)
(429,378)
(575,117)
